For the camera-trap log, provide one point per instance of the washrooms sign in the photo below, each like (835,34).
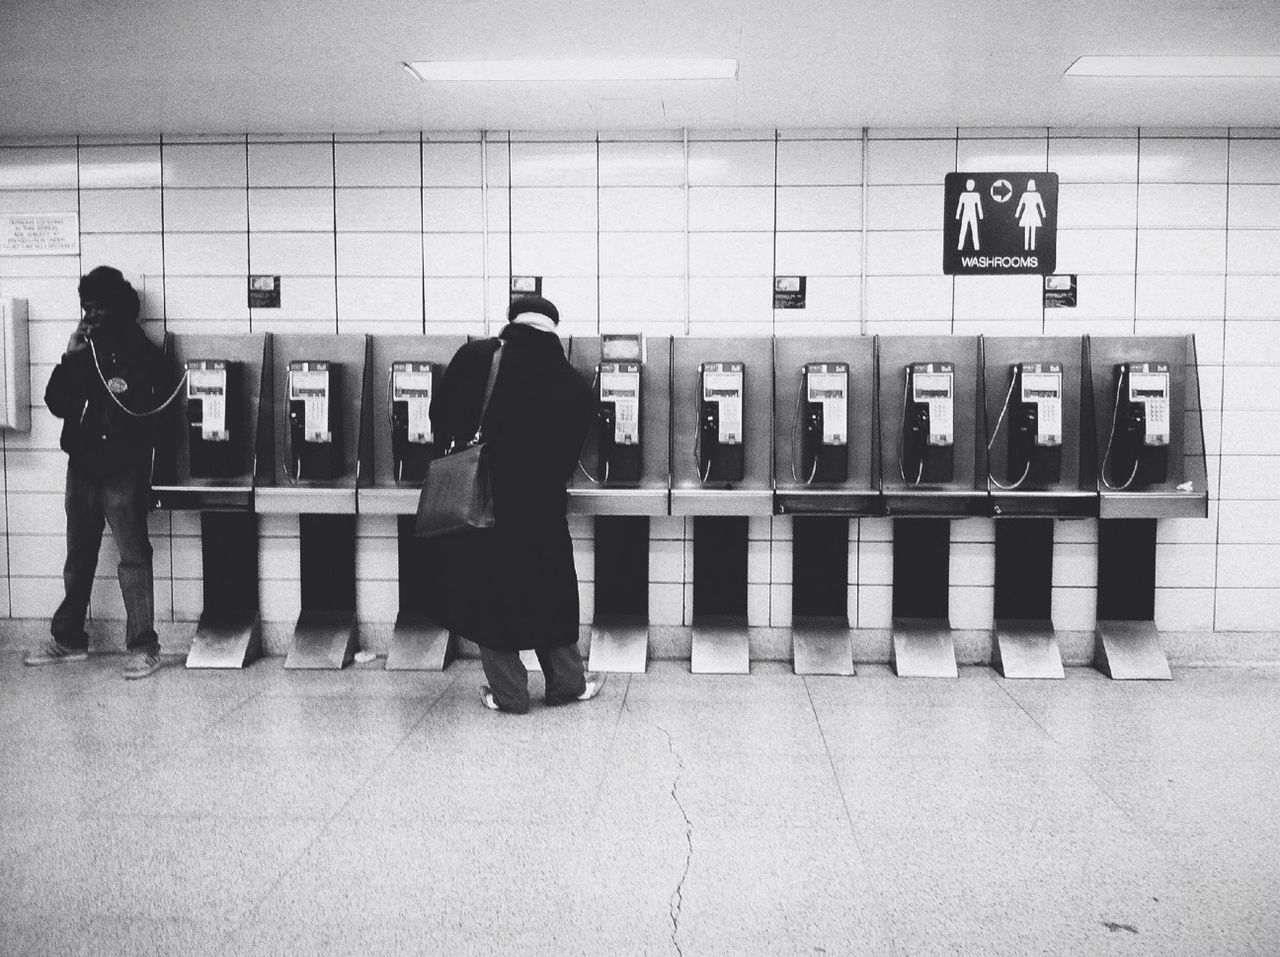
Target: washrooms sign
(1000,223)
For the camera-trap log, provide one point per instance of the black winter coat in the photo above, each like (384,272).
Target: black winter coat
(98,436)
(514,587)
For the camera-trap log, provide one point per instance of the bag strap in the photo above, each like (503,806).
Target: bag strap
(488,392)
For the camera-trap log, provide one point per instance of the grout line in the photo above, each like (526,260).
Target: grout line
(333,173)
(1137,220)
(422,225)
(248,235)
(1222,396)
(831,762)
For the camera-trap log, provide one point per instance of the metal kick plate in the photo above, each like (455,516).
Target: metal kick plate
(323,640)
(1130,651)
(720,649)
(225,644)
(1027,650)
(619,646)
(418,644)
(822,650)
(923,648)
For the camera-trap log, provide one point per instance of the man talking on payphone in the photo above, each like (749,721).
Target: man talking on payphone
(516,587)
(106,389)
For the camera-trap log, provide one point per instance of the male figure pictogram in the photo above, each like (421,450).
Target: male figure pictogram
(969,211)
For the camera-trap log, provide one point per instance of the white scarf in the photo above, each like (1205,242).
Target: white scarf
(537,320)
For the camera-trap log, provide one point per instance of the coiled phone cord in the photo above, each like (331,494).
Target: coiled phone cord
(906,391)
(595,390)
(1102,471)
(288,435)
(1013,380)
(795,437)
(124,408)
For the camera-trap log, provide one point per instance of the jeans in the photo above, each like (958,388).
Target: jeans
(120,500)
(509,679)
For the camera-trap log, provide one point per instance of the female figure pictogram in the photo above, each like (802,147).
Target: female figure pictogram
(1030,215)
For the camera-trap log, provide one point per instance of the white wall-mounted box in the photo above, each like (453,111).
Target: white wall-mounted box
(15,368)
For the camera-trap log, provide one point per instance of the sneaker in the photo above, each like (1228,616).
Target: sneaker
(52,653)
(141,665)
(595,681)
(486,696)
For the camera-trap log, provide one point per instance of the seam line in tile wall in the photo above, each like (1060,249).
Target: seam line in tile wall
(862,280)
(598,315)
(248,235)
(955,168)
(164,326)
(1137,219)
(773,330)
(484,230)
(511,231)
(1044,317)
(1222,396)
(687,307)
(422,227)
(80,272)
(333,196)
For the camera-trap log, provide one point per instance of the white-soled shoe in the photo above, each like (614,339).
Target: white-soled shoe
(595,681)
(52,653)
(142,665)
(487,698)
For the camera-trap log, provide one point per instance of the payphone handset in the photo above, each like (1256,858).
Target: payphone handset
(927,437)
(618,421)
(1138,446)
(212,417)
(409,391)
(823,404)
(1034,407)
(720,453)
(315,420)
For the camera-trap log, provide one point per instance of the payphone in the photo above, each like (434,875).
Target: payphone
(409,390)
(822,411)
(1138,447)
(720,453)
(315,420)
(618,447)
(214,418)
(927,438)
(1033,405)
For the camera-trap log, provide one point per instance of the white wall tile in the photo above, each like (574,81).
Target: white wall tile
(206,297)
(1094,205)
(905,207)
(1255,207)
(666,603)
(1249,478)
(1249,566)
(641,164)
(731,300)
(1253,296)
(1246,609)
(457,164)
(914,298)
(455,210)
(1159,296)
(1255,161)
(1163,205)
(553,253)
(553,164)
(642,254)
(747,208)
(1098,251)
(905,162)
(108,167)
(377,254)
(134,254)
(379,299)
(38,201)
(456,300)
(205,210)
(291,164)
(1094,160)
(1000,297)
(731,163)
(731,254)
(120,211)
(1023,155)
(38,168)
(387,209)
(1182,251)
(207,164)
(633,209)
(303,298)
(1182,160)
(819,207)
(1184,609)
(1253,251)
(819,162)
(1248,522)
(819,254)
(377,164)
(553,209)
(292,209)
(904,253)
(649,302)
(971,608)
(207,254)
(453,254)
(299,254)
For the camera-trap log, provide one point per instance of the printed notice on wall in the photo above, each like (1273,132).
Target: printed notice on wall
(264,292)
(40,234)
(788,292)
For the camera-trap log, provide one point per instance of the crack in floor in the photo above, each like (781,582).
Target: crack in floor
(677,896)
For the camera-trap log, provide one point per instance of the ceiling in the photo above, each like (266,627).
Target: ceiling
(235,66)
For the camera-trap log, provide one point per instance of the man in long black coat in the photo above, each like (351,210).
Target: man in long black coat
(515,587)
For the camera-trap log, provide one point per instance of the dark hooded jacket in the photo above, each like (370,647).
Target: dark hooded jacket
(98,436)
(516,586)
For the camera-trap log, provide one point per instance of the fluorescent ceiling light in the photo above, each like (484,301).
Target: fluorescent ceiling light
(569,71)
(1176,66)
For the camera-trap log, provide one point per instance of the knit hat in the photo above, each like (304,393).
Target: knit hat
(107,284)
(542,307)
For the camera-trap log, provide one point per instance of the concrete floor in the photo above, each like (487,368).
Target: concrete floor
(369,813)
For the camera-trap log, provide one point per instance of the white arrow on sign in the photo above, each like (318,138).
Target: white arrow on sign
(1002,191)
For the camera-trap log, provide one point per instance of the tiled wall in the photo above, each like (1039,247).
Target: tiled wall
(1169,231)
